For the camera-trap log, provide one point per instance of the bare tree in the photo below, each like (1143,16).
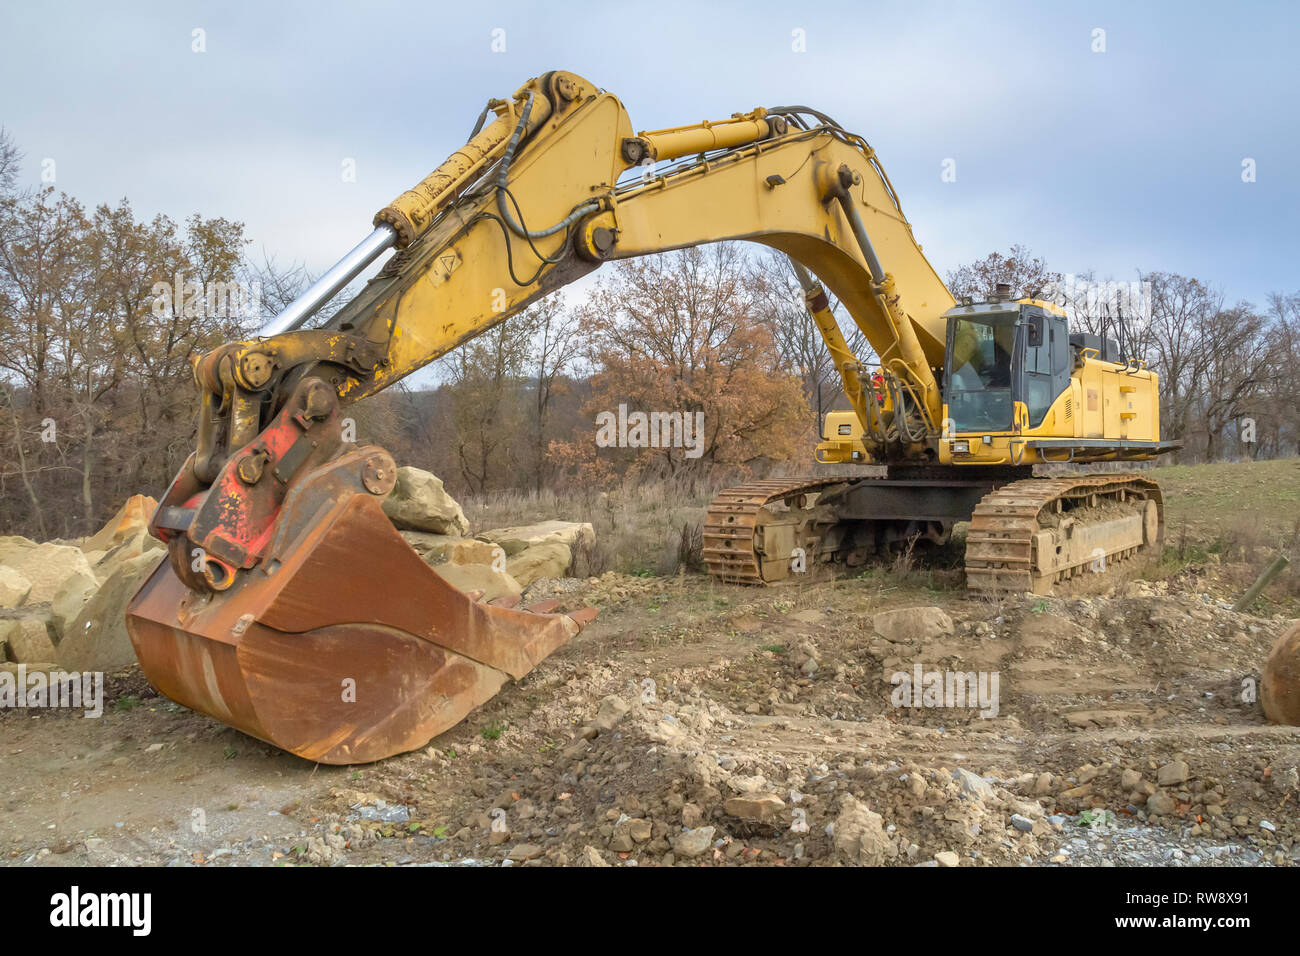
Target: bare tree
(10,159)
(1238,369)
(1181,309)
(557,345)
(1026,273)
(779,304)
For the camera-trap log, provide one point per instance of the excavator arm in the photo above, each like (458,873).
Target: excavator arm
(281,559)
(558,184)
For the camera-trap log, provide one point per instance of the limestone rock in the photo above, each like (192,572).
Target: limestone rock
(1161,804)
(14,587)
(47,566)
(973,785)
(1174,772)
(693,843)
(418,502)
(12,544)
(432,548)
(97,639)
(628,833)
(130,520)
(470,551)
(913,624)
(72,596)
(28,639)
(517,539)
(612,709)
(859,834)
(524,851)
(590,856)
(132,546)
(479,577)
(763,808)
(550,559)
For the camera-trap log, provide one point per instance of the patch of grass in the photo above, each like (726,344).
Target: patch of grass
(128,702)
(1095,818)
(493,731)
(639,524)
(774,648)
(1224,501)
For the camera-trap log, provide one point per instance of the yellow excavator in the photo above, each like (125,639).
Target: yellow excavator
(290,608)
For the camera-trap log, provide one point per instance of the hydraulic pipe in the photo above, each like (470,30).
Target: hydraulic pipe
(846,363)
(909,347)
(685,140)
(327,286)
(414,211)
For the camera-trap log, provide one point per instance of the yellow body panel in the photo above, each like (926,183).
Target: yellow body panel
(1104,401)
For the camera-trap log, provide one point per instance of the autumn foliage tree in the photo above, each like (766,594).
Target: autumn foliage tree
(96,392)
(681,333)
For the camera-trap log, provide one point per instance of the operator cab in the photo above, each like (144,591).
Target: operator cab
(1000,352)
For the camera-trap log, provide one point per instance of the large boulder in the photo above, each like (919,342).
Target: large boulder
(47,566)
(432,548)
(97,640)
(1280,682)
(28,639)
(14,587)
(477,552)
(479,577)
(138,542)
(912,624)
(514,540)
(550,559)
(418,502)
(71,597)
(130,519)
(11,544)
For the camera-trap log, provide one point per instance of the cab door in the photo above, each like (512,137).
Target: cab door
(1044,366)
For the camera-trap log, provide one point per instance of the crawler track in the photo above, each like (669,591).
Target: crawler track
(1000,551)
(1001,548)
(731,523)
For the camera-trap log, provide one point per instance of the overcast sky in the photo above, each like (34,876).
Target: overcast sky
(1115,161)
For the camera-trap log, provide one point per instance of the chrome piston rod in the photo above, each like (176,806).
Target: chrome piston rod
(327,286)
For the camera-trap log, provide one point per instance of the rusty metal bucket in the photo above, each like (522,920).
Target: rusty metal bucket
(341,645)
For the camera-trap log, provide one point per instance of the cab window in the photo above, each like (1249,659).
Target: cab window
(979,371)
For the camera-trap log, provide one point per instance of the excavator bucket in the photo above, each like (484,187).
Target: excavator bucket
(340,644)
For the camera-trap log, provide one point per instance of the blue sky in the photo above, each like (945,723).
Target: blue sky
(1117,161)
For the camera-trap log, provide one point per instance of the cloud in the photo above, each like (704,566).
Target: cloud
(1110,161)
